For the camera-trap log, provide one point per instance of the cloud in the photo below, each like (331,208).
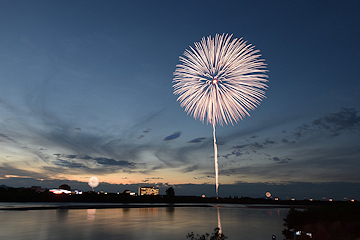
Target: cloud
(4,136)
(267,141)
(237,153)
(68,164)
(172,136)
(204,177)
(147,130)
(334,123)
(284,140)
(37,125)
(197,140)
(191,168)
(256,145)
(278,160)
(8,169)
(346,119)
(241,146)
(99,161)
(112,162)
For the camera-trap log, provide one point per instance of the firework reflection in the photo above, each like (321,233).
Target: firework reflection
(91,214)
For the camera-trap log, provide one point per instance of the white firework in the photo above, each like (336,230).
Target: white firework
(220,80)
(93,182)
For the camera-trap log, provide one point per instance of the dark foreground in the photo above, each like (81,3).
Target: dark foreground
(336,221)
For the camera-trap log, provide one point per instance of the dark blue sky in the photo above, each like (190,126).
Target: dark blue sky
(86,89)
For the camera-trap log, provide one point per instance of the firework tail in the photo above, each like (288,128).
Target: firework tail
(216,163)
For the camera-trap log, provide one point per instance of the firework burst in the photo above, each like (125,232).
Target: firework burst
(219,81)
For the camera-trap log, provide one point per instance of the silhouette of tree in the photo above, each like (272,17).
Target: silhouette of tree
(126,192)
(170,192)
(214,236)
(65,187)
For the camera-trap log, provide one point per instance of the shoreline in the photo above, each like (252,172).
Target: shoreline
(145,205)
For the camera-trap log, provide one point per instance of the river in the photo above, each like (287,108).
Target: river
(149,222)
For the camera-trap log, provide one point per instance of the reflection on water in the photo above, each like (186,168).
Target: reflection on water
(219,220)
(170,210)
(91,214)
(141,223)
(61,214)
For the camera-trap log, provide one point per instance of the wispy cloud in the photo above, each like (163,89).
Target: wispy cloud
(172,136)
(197,140)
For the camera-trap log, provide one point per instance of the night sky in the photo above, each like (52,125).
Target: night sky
(86,90)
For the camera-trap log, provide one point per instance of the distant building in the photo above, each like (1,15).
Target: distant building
(148,191)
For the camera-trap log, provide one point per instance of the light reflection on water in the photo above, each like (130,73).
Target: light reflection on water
(142,223)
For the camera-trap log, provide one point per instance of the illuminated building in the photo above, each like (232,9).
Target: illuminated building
(148,191)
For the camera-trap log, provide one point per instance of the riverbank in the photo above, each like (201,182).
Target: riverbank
(108,198)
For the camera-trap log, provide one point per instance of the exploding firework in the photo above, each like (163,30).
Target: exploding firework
(93,182)
(220,81)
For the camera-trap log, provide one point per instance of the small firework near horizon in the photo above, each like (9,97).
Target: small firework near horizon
(220,81)
(93,182)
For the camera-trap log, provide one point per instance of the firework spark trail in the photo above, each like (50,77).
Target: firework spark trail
(220,80)
(216,163)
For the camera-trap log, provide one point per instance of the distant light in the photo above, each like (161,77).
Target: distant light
(298,233)
(330,199)
(311,199)
(59,191)
(276,199)
(203,196)
(293,199)
(268,194)
(118,193)
(78,192)
(105,193)
(352,200)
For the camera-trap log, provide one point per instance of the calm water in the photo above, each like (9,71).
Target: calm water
(237,222)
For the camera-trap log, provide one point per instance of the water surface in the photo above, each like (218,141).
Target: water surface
(237,222)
